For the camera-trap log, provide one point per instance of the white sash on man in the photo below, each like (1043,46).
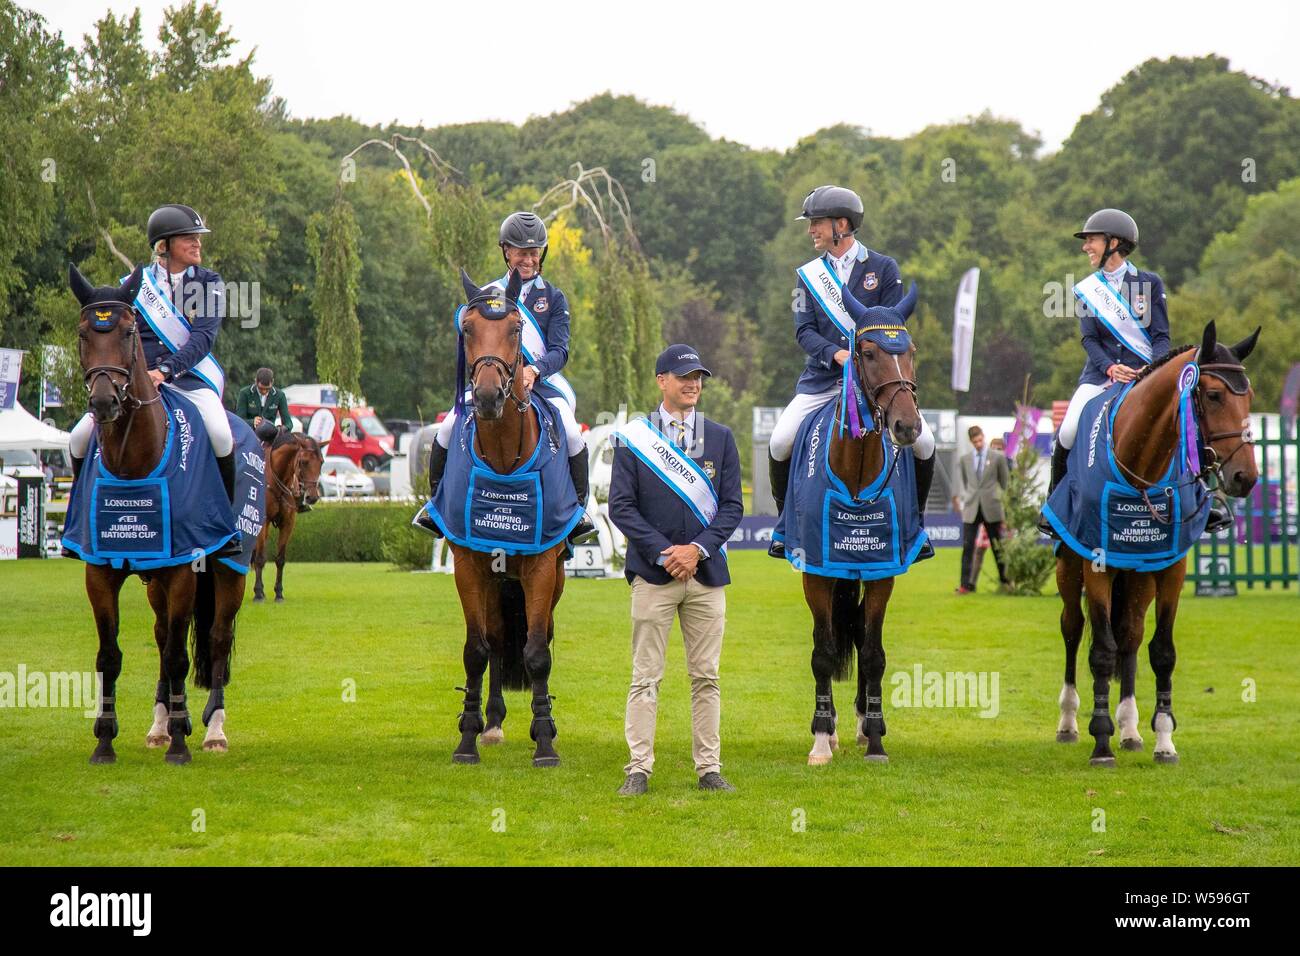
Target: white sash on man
(1113,311)
(825,287)
(673,466)
(173,330)
(534,346)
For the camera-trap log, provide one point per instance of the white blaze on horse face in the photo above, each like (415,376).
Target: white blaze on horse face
(1069,701)
(1126,715)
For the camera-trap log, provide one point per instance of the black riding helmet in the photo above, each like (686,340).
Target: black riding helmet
(834,202)
(173,220)
(523,230)
(1112,224)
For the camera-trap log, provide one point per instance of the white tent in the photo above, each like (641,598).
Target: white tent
(21,429)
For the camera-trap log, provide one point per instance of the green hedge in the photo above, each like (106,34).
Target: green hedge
(360,531)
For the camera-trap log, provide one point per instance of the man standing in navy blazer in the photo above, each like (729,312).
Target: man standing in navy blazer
(675,494)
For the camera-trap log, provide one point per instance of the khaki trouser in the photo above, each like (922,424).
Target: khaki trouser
(702,611)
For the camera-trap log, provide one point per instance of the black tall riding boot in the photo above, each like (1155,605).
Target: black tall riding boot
(778,473)
(437,465)
(226,465)
(924,478)
(1060,464)
(581,475)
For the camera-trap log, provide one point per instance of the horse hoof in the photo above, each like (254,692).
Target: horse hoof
(1102,761)
(279,599)
(493,735)
(1166,758)
(877,758)
(464,758)
(154,741)
(1067,736)
(108,757)
(179,759)
(552,761)
(835,741)
(217,746)
(259,598)
(1132,743)
(818,760)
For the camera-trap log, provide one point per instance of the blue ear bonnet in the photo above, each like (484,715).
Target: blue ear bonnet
(489,301)
(883,325)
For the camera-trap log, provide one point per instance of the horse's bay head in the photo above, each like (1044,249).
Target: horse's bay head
(883,357)
(1224,394)
(107,340)
(492,330)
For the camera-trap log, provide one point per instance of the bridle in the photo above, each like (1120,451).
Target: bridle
(300,487)
(128,401)
(1213,464)
(509,371)
(879,414)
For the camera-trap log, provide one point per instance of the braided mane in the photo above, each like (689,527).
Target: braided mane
(1163,360)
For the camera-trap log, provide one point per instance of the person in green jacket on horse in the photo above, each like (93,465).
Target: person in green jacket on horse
(262,404)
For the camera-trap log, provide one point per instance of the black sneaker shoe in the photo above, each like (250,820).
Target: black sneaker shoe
(636,784)
(713,781)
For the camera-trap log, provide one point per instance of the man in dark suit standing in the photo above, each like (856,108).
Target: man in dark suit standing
(675,494)
(981,478)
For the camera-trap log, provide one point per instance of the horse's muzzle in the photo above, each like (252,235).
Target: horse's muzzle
(1238,483)
(489,402)
(105,409)
(905,434)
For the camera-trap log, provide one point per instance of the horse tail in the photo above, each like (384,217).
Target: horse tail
(205,612)
(846,625)
(514,616)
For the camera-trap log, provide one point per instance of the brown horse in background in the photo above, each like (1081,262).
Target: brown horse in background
(508,601)
(132,425)
(293,464)
(1146,437)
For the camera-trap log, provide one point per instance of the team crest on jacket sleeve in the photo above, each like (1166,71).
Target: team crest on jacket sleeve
(870,281)
(540,305)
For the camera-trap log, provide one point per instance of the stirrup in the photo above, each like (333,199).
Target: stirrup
(582,531)
(425,523)
(776,550)
(1220,520)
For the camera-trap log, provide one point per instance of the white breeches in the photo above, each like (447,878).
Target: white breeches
(210,409)
(1070,426)
(781,444)
(573,434)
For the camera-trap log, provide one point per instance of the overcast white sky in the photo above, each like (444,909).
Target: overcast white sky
(764,74)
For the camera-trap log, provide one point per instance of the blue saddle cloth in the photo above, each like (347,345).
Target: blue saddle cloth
(172,516)
(1099,515)
(828,532)
(527,511)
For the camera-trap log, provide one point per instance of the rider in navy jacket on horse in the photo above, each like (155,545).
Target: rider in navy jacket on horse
(834,216)
(523,242)
(198,295)
(1123,324)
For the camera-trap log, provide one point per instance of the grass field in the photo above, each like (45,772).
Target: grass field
(311,779)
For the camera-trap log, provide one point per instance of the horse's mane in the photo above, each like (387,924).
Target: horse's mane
(1162,361)
(283,437)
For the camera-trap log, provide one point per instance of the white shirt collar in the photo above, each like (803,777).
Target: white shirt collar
(666,416)
(1116,277)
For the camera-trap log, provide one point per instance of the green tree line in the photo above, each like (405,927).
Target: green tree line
(355,276)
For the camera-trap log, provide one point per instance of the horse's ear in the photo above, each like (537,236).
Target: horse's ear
(855,309)
(83,290)
(131,287)
(471,290)
(1246,345)
(907,304)
(513,286)
(1208,342)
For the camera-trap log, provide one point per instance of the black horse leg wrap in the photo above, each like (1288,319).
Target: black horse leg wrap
(823,721)
(178,713)
(1164,705)
(873,721)
(216,701)
(107,719)
(1101,725)
(160,692)
(471,718)
(542,717)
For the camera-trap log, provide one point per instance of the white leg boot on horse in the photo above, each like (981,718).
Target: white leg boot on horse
(1067,730)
